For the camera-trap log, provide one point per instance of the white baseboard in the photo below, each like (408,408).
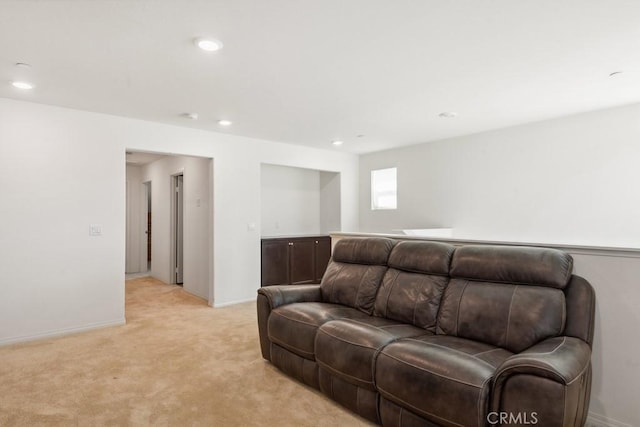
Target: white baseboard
(61,332)
(597,420)
(226,304)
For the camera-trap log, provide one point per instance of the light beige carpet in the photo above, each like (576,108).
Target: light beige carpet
(176,362)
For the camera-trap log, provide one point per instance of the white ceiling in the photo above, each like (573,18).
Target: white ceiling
(308,72)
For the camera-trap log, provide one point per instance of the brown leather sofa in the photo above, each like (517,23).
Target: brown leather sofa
(417,333)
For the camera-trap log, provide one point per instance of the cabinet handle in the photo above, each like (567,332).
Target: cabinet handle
(290,243)
(316,242)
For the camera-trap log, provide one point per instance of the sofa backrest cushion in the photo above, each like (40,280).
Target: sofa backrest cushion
(513,264)
(355,272)
(412,287)
(367,251)
(513,317)
(422,257)
(510,297)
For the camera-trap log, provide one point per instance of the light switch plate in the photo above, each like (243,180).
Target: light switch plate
(95,230)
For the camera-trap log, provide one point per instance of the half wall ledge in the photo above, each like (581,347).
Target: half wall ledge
(617,251)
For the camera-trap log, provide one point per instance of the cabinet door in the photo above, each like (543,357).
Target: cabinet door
(323,253)
(301,256)
(275,262)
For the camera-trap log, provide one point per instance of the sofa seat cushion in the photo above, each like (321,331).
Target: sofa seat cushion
(348,348)
(294,326)
(444,379)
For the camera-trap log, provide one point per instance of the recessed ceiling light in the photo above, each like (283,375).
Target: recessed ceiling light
(448,114)
(225,122)
(209,45)
(23,85)
(337,143)
(192,116)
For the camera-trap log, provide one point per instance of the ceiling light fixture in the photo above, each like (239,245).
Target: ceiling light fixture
(448,115)
(192,116)
(209,45)
(22,85)
(337,143)
(225,122)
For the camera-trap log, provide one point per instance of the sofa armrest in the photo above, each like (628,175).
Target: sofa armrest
(288,294)
(551,380)
(562,359)
(271,297)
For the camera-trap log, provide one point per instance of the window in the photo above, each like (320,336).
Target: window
(384,189)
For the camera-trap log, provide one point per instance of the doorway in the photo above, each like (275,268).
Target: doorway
(178,227)
(173,229)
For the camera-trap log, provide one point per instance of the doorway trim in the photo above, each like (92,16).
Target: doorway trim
(177,228)
(146,223)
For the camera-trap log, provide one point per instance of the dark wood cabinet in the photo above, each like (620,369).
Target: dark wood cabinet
(322,255)
(301,261)
(275,262)
(294,260)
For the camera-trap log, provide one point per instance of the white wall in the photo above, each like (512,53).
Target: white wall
(62,170)
(329,202)
(290,200)
(616,367)
(299,201)
(569,180)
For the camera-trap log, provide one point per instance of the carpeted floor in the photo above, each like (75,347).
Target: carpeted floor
(177,362)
